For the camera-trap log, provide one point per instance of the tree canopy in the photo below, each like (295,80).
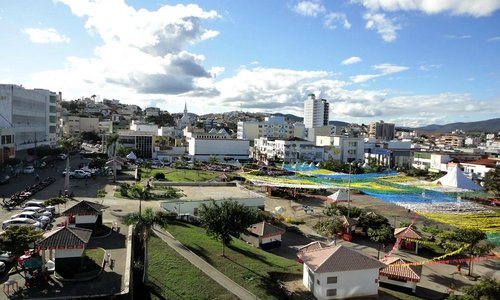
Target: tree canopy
(226,219)
(492,181)
(329,227)
(17,239)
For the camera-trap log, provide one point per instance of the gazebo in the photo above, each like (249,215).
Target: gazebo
(68,243)
(398,272)
(409,238)
(85,214)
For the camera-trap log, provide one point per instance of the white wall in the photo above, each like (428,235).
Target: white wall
(85,219)
(202,149)
(409,284)
(271,239)
(65,253)
(188,207)
(357,283)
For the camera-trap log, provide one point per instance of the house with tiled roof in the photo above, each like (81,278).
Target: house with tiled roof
(339,272)
(409,238)
(84,214)
(264,235)
(66,245)
(398,272)
(310,247)
(477,169)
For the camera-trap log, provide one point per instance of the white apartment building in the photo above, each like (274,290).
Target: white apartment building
(346,149)
(316,112)
(201,146)
(152,111)
(381,131)
(72,125)
(286,150)
(271,127)
(144,127)
(327,130)
(31,114)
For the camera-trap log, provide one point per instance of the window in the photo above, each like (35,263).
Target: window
(332,279)
(331,292)
(317,281)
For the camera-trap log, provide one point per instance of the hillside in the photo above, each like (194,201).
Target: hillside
(488,126)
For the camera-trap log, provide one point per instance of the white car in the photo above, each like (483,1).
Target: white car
(38,203)
(29,170)
(21,222)
(62,156)
(32,215)
(39,210)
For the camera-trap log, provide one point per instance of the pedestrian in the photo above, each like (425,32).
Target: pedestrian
(60,193)
(459,267)
(108,258)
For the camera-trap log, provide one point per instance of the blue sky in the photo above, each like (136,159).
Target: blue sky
(404,61)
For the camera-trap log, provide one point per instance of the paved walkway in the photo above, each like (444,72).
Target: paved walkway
(208,269)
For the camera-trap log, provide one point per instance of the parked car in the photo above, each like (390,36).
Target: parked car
(62,156)
(7,257)
(78,174)
(4,179)
(29,170)
(39,210)
(32,215)
(21,222)
(2,267)
(39,203)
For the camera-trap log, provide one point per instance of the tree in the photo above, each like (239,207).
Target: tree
(474,241)
(67,144)
(17,239)
(488,289)
(492,181)
(213,159)
(329,227)
(383,236)
(111,145)
(373,221)
(56,201)
(334,209)
(144,222)
(227,219)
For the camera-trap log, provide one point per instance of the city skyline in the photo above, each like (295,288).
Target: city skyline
(407,62)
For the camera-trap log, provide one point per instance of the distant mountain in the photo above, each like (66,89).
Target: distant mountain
(491,126)
(339,123)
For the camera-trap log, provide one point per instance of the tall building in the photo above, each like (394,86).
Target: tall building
(30,114)
(271,127)
(382,131)
(316,112)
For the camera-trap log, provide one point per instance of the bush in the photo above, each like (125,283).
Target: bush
(160,176)
(296,222)
(101,193)
(124,187)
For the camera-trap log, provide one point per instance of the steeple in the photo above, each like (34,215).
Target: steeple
(185,109)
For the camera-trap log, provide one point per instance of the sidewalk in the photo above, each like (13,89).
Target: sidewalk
(208,269)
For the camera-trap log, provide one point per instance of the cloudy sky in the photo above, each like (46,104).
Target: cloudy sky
(412,62)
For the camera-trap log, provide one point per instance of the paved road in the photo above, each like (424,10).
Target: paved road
(215,274)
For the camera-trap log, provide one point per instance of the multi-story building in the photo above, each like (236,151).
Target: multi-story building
(31,114)
(142,142)
(152,111)
(72,125)
(346,149)
(271,127)
(453,141)
(392,154)
(381,131)
(292,150)
(316,112)
(202,146)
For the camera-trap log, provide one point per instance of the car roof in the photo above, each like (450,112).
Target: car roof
(27,208)
(27,220)
(26,213)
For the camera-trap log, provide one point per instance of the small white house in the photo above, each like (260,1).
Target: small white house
(397,272)
(85,214)
(264,235)
(338,272)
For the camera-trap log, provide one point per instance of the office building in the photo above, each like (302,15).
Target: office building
(316,112)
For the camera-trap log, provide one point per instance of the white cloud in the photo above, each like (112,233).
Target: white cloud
(475,8)
(142,52)
(457,37)
(351,60)
(45,35)
(385,69)
(309,8)
(385,27)
(429,67)
(334,18)
(493,39)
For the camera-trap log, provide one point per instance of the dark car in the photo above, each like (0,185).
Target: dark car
(4,179)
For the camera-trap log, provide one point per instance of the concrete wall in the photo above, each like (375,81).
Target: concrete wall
(68,253)
(85,219)
(407,284)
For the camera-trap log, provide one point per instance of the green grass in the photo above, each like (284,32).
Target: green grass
(95,254)
(174,277)
(180,175)
(254,269)
(397,295)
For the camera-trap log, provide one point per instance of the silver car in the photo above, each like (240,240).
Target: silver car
(21,222)
(32,215)
(40,204)
(39,210)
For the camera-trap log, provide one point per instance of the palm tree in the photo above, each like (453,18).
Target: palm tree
(111,146)
(145,221)
(67,144)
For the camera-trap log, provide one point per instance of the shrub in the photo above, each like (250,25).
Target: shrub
(101,193)
(160,176)
(124,187)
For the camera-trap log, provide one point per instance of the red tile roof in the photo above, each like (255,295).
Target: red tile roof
(264,229)
(396,268)
(338,259)
(66,236)
(406,232)
(490,163)
(312,246)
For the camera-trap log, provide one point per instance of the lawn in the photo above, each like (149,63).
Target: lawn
(183,175)
(174,277)
(256,270)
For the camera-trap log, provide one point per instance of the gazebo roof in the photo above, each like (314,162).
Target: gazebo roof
(397,267)
(265,229)
(84,208)
(66,236)
(406,232)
